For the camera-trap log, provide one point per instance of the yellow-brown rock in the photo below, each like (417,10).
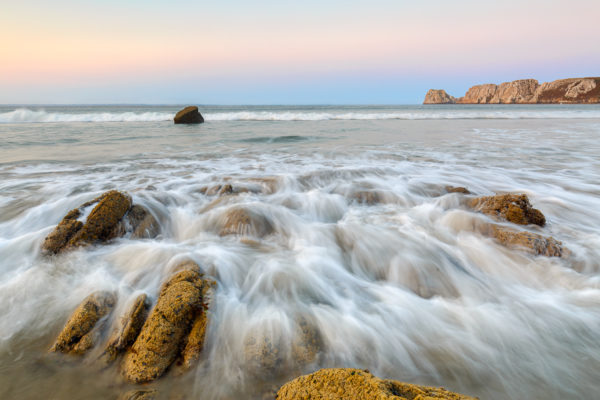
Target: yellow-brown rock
(438,96)
(140,222)
(479,94)
(511,207)
(457,189)
(101,224)
(80,326)
(188,115)
(531,242)
(164,332)
(307,343)
(573,90)
(348,383)
(127,329)
(243,221)
(146,394)
(515,92)
(195,340)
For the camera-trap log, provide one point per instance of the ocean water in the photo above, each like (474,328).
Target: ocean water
(408,288)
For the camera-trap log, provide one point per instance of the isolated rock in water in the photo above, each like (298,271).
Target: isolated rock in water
(140,222)
(532,242)
(457,189)
(127,329)
(195,340)
(438,96)
(80,325)
(188,115)
(148,394)
(348,383)
(242,221)
(511,207)
(165,330)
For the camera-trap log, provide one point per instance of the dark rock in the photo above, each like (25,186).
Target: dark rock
(188,115)
(78,335)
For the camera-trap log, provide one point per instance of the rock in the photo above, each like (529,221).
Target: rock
(511,207)
(80,326)
(307,343)
(165,330)
(369,197)
(457,189)
(140,222)
(147,394)
(526,91)
(479,94)
(349,383)
(263,353)
(242,221)
(438,96)
(127,329)
(574,90)
(195,340)
(100,226)
(515,92)
(188,115)
(532,242)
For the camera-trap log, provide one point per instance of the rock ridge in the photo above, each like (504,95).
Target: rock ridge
(525,91)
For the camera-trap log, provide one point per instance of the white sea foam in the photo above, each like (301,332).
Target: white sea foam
(24,115)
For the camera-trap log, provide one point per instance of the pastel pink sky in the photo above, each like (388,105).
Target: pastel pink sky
(380,51)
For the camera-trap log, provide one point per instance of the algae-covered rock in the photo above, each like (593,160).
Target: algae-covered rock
(348,383)
(164,332)
(195,340)
(80,326)
(100,225)
(127,329)
(242,221)
(532,242)
(511,207)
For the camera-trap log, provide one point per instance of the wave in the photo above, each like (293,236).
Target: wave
(24,115)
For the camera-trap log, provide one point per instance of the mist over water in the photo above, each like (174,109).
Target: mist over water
(408,288)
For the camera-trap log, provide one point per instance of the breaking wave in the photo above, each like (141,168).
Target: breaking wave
(24,115)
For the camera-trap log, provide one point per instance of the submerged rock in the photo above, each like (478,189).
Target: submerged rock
(79,335)
(532,242)
(348,383)
(127,329)
(188,115)
(510,207)
(140,222)
(307,343)
(164,332)
(147,394)
(457,189)
(242,221)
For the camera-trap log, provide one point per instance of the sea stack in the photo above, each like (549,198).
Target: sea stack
(188,115)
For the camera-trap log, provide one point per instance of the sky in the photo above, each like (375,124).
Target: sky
(285,52)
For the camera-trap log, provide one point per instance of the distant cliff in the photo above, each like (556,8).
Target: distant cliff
(524,91)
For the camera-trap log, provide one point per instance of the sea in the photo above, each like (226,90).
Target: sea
(407,286)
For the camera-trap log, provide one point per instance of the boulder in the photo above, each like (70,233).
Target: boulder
(510,207)
(307,343)
(438,96)
(349,383)
(127,329)
(242,221)
(78,335)
(164,332)
(140,222)
(531,242)
(188,115)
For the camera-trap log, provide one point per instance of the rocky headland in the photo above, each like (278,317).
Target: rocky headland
(524,91)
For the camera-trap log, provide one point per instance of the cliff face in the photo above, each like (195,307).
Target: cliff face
(525,91)
(438,96)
